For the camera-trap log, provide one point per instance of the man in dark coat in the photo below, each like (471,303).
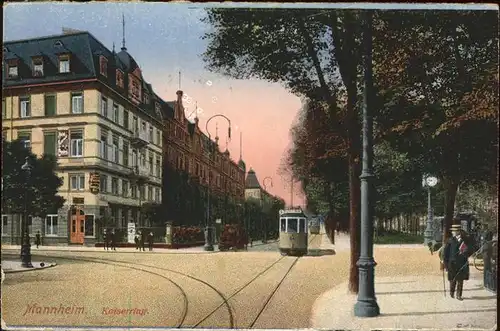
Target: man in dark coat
(456,255)
(38,240)
(142,239)
(105,239)
(113,240)
(150,240)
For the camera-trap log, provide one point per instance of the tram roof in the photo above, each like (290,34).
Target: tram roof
(293,214)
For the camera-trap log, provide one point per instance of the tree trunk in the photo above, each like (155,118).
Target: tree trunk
(451,185)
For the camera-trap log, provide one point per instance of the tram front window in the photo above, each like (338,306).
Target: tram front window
(292,225)
(302,225)
(283,224)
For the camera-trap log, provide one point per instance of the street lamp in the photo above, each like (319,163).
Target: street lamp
(208,230)
(264,224)
(429,182)
(367,306)
(25,241)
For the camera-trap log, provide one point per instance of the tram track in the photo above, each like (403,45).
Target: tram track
(225,300)
(124,264)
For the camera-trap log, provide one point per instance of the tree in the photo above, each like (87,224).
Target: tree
(437,85)
(39,191)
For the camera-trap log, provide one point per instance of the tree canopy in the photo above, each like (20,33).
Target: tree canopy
(38,191)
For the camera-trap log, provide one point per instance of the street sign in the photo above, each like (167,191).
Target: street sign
(218,221)
(94,182)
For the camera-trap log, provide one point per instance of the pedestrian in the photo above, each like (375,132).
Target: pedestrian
(113,240)
(38,240)
(105,239)
(142,238)
(456,255)
(150,240)
(136,240)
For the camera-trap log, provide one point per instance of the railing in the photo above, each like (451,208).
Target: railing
(140,137)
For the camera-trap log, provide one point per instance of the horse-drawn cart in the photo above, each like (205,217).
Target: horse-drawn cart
(233,237)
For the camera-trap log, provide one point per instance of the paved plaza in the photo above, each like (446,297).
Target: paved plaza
(98,288)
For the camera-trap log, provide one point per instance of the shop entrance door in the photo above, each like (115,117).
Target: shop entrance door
(77,226)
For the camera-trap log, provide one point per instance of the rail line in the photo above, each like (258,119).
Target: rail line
(127,265)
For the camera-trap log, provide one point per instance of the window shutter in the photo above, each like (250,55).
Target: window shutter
(49,144)
(50,105)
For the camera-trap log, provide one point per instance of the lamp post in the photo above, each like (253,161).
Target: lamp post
(208,230)
(264,224)
(429,182)
(26,245)
(367,306)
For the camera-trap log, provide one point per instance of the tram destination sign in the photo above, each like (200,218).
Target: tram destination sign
(94,182)
(290,211)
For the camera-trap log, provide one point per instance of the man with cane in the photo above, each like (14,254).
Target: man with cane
(456,260)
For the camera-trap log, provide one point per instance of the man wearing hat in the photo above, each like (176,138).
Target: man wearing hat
(456,255)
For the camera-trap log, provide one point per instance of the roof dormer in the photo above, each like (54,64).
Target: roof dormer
(37,66)
(103,65)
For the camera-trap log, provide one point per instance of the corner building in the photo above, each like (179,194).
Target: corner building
(70,96)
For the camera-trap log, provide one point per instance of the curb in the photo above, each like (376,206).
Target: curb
(53,264)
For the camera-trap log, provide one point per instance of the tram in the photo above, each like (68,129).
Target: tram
(293,232)
(314,226)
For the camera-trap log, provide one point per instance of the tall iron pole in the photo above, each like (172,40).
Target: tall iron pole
(291,193)
(367,303)
(25,237)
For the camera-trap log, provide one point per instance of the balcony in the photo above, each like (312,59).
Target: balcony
(139,139)
(139,173)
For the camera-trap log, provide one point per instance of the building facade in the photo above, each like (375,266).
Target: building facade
(186,148)
(253,189)
(70,96)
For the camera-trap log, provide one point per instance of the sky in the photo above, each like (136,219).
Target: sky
(165,38)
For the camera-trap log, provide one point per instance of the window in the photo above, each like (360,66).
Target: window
(133,191)
(142,191)
(77,182)
(76,140)
(136,125)
(116,114)
(51,225)
(89,225)
(302,225)
(13,72)
(103,62)
(158,167)
(104,145)
(24,107)
(125,119)
(49,143)
(135,89)
(25,137)
(134,158)
(4,109)
(125,154)
(104,107)
(38,67)
(116,151)
(292,225)
(158,193)
(114,185)
(77,103)
(146,99)
(143,159)
(103,184)
(150,193)
(50,105)
(158,137)
(119,78)
(283,224)
(5,223)
(125,188)
(150,165)
(64,64)
(144,127)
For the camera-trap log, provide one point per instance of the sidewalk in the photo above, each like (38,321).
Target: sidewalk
(190,250)
(410,303)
